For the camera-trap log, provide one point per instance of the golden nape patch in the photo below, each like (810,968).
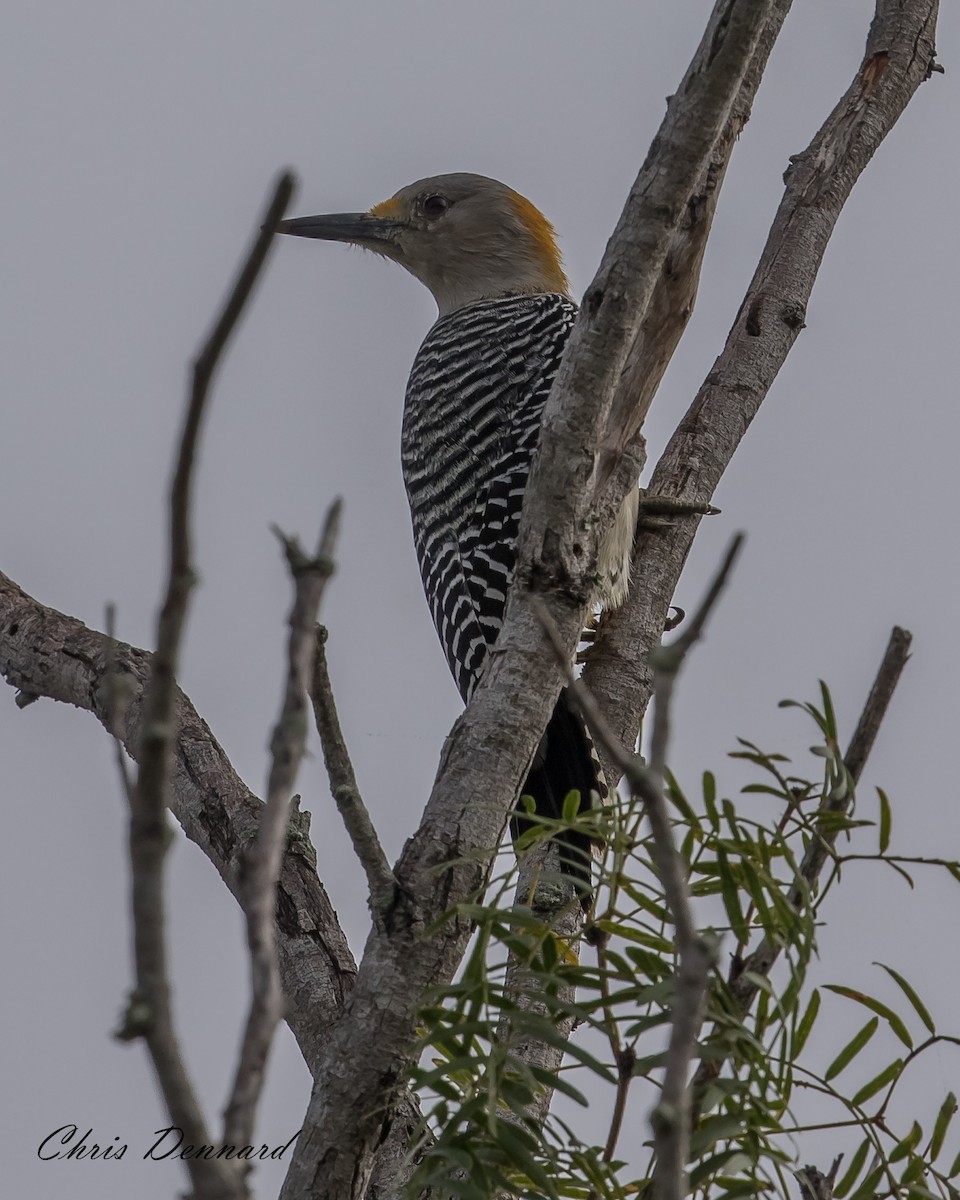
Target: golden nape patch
(386,208)
(544,239)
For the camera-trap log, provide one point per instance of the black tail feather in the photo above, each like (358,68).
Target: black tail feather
(565,762)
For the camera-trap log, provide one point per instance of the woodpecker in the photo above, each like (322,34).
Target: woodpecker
(471,423)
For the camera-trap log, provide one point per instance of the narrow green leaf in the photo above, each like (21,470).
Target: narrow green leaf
(878,1082)
(919,1007)
(830,717)
(708,1167)
(712,1130)
(731,899)
(954,1169)
(762,789)
(886,820)
(916,1167)
(571,805)
(710,800)
(868,1188)
(852,1048)
(882,1010)
(901,872)
(907,1144)
(849,1177)
(946,1114)
(680,802)
(804,1026)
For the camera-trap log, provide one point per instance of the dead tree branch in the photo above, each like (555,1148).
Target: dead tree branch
(148,821)
(557,551)
(899,57)
(758,965)
(696,954)
(287,747)
(46,653)
(343,786)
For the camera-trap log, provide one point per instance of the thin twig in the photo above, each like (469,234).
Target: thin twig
(743,974)
(60,658)
(343,785)
(667,660)
(696,954)
(287,747)
(148,823)
(895,658)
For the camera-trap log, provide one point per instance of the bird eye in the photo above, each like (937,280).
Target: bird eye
(434,206)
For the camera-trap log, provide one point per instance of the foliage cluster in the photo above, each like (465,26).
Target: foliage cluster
(756,1059)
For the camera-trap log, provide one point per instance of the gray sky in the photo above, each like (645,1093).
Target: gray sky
(139,141)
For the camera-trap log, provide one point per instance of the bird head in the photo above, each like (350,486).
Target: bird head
(466,237)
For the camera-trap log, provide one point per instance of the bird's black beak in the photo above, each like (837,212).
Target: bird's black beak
(360,229)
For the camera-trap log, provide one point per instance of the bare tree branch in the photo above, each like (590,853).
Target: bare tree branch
(148,822)
(287,747)
(673,298)
(743,975)
(899,57)
(47,653)
(343,786)
(696,954)
(895,658)
(491,747)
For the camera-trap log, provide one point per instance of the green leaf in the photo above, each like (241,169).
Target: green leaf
(867,1189)
(852,1049)
(907,1144)
(804,1026)
(571,805)
(916,1167)
(878,1082)
(946,1114)
(680,802)
(895,1022)
(919,1007)
(954,1169)
(709,1167)
(731,899)
(886,820)
(830,717)
(710,800)
(713,1130)
(849,1177)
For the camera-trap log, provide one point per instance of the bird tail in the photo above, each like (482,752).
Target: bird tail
(566,761)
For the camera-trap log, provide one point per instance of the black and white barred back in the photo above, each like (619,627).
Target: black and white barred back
(471,423)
